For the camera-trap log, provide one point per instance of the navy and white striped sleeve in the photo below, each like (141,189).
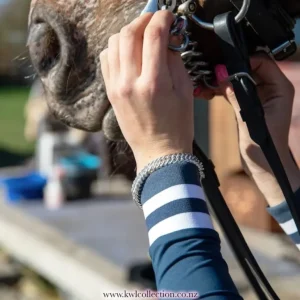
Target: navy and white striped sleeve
(184,247)
(283,216)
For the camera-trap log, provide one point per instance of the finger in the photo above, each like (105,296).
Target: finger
(155,46)
(271,81)
(113,57)
(175,63)
(104,65)
(179,75)
(204,93)
(262,64)
(226,88)
(131,46)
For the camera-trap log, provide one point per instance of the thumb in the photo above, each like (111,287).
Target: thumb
(265,69)
(271,81)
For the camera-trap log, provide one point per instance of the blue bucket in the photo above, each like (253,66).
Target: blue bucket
(27,187)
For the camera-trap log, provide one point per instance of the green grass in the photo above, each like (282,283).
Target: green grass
(12,141)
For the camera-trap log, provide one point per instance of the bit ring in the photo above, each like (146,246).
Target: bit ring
(183,45)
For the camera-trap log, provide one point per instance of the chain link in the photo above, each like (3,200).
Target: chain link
(157,164)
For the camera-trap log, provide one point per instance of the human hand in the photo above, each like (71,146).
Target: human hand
(149,89)
(276,94)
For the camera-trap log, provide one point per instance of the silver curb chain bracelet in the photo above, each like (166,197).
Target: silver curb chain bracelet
(157,164)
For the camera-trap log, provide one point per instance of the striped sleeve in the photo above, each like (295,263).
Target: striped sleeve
(184,247)
(282,214)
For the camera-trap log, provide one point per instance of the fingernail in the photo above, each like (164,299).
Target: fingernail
(221,73)
(197,91)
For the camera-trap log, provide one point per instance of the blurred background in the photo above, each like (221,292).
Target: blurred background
(14,81)
(77,183)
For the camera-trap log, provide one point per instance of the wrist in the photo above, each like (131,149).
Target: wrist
(269,186)
(180,162)
(145,156)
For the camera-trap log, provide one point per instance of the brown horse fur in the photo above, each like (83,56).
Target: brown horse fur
(65,40)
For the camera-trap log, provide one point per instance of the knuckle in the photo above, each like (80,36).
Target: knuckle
(128,31)
(149,88)
(112,39)
(142,89)
(125,90)
(103,54)
(166,14)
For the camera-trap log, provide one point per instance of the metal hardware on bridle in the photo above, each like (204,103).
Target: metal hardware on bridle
(179,28)
(236,76)
(189,7)
(167,4)
(199,71)
(239,75)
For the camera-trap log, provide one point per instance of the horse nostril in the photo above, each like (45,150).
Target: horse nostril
(59,53)
(44,46)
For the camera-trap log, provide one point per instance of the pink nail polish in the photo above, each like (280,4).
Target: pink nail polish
(197,91)
(221,73)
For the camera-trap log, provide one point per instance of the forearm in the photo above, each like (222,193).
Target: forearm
(258,168)
(268,185)
(294,136)
(184,247)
